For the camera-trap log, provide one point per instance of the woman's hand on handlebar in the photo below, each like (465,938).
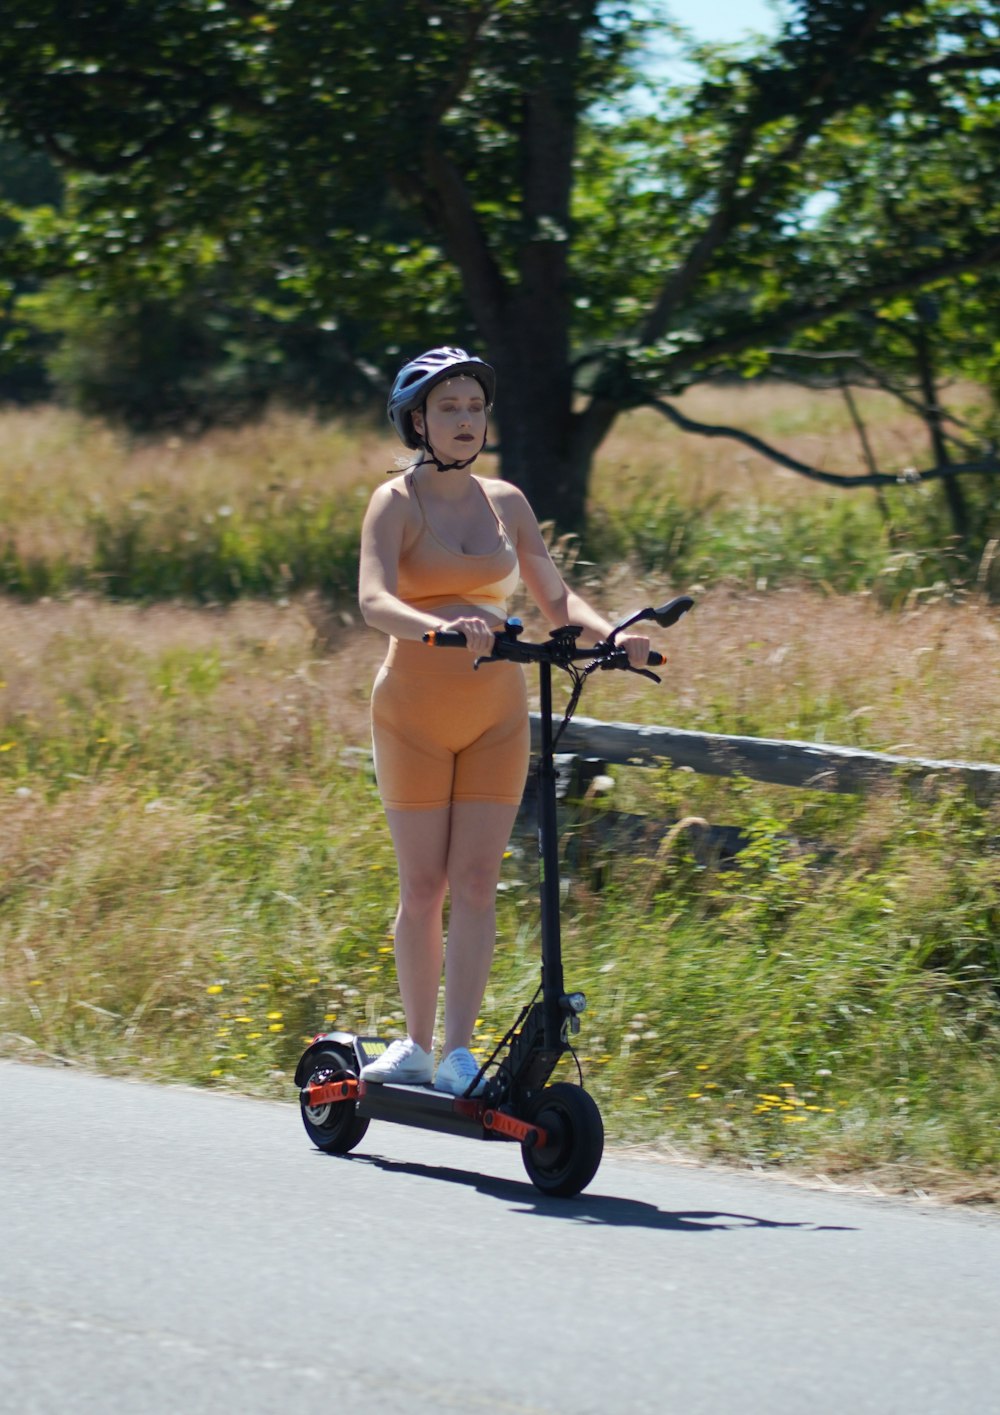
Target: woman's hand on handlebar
(479,636)
(637,648)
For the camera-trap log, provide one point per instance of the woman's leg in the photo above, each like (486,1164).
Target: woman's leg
(480,831)
(421,843)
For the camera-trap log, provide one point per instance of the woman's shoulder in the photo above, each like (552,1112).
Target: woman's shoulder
(393,497)
(509,501)
(399,484)
(514,510)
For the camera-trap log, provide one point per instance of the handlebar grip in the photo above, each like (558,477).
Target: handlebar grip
(656,659)
(445,638)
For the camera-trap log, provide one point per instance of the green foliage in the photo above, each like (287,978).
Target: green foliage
(837,543)
(414,173)
(27,180)
(192,357)
(197,880)
(225,555)
(789,1006)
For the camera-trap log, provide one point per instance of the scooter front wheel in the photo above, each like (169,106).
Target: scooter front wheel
(335,1128)
(574,1144)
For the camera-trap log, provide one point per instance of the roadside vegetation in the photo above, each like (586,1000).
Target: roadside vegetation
(274,507)
(196,874)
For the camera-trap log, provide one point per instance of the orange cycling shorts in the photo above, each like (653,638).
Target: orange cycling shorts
(443,731)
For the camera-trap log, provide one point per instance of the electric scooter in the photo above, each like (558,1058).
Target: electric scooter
(558,1126)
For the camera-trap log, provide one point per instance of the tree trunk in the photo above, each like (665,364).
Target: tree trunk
(538,449)
(932,416)
(525,320)
(547,447)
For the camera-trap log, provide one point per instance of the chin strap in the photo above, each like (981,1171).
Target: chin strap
(429,460)
(448,466)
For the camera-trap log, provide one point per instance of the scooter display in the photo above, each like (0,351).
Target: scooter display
(558,1125)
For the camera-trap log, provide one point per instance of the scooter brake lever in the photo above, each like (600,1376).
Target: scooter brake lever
(607,664)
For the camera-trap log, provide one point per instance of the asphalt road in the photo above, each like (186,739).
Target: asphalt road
(164,1249)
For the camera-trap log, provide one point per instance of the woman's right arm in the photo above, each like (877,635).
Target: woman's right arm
(381,546)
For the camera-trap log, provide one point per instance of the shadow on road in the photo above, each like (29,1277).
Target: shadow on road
(595,1209)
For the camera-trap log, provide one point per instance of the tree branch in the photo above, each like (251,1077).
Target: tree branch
(682,280)
(880,380)
(442,196)
(803,315)
(732,209)
(989,466)
(463,66)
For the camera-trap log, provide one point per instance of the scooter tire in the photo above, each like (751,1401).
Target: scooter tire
(571,1154)
(335,1128)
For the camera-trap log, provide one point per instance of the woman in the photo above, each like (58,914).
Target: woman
(444,549)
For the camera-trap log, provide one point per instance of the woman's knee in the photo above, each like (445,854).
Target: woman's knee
(474,883)
(421,892)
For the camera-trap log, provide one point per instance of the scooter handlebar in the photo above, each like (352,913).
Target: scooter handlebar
(455,639)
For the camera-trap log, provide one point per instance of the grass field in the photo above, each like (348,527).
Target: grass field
(196,873)
(274,508)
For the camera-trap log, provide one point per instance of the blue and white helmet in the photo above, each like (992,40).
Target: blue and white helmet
(416,379)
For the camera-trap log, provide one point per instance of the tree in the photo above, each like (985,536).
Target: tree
(474,153)
(26,180)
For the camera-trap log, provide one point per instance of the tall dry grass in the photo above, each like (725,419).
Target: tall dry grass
(815,426)
(53,459)
(791,664)
(275,505)
(195,873)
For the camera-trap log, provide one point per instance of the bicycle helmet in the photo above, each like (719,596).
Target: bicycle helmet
(416,379)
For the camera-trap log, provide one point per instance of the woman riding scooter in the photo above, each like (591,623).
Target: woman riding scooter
(443,549)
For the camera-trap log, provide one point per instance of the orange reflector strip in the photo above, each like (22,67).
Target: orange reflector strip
(520,1130)
(330,1093)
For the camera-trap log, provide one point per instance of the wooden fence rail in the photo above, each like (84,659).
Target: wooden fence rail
(808,764)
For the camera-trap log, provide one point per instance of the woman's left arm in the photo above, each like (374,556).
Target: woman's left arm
(560,604)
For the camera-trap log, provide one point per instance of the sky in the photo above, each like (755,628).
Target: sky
(712,20)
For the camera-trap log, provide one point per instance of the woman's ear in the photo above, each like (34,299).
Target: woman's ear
(417,418)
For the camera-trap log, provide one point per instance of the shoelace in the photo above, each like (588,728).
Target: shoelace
(464,1063)
(399,1050)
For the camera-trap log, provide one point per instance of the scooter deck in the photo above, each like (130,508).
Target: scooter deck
(421,1106)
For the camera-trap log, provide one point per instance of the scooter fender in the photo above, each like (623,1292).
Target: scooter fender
(346,1039)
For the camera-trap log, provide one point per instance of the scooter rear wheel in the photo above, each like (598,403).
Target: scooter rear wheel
(335,1128)
(568,1160)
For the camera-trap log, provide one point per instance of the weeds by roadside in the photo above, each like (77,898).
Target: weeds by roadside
(194,870)
(197,876)
(274,508)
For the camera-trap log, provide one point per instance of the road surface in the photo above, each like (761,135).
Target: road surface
(164,1249)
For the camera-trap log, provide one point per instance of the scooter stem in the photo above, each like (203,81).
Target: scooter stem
(548,871)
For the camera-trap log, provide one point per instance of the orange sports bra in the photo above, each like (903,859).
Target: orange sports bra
(432,575)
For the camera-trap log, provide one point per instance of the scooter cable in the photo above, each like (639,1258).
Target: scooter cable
(506,1040)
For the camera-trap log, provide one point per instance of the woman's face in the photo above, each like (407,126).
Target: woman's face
(456,418)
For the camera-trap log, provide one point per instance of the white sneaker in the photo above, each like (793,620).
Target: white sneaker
(456,1073)
(404,1063)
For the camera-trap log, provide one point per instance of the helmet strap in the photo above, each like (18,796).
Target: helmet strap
(432,461)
